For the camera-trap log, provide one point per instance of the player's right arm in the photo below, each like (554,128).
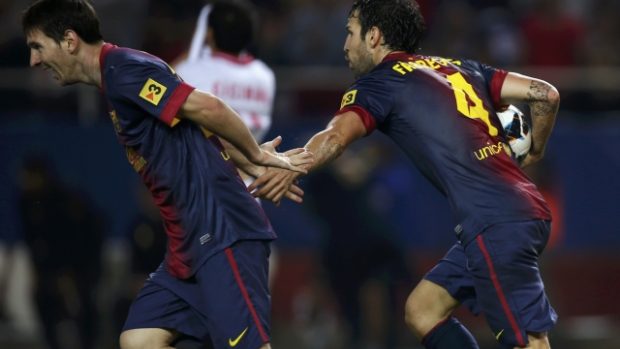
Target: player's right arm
(543,100)
(326,145)
(213,114)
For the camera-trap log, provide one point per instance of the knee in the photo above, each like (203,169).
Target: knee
(538,340)
(426,306)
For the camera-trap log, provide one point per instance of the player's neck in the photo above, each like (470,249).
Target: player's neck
(90,68)
(379,54)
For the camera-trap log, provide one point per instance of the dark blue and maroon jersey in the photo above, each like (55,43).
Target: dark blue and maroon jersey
(203,202)
(441,112)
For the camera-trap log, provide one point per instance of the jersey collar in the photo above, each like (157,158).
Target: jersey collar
(397,56)
(105,49)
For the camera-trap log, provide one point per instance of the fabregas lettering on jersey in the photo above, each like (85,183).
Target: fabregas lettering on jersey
(152,91)
(429,63)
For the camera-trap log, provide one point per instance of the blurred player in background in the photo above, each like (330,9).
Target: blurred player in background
(441,112)
(213,281)
(219,62)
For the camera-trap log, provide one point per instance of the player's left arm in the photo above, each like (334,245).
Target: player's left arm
(543,100)
(326,146)
(213,114)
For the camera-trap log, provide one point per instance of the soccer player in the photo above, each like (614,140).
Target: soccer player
(213,281)
(441,112)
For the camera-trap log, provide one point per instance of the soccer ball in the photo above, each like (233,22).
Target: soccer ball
(517,130)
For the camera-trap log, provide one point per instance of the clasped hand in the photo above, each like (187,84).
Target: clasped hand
(276,182)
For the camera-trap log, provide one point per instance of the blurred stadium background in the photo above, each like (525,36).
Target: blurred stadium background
(78,237)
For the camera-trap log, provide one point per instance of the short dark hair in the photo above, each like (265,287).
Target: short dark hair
(233,25)
(400,21)
(54,17)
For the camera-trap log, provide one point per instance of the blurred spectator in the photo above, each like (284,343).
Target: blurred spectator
(552,36)
(315,32)
(364,263)
(454,34)
(603,43)
(13,51)
(169,27)
(13,54)
(501,40)
(123,22)
(64,234)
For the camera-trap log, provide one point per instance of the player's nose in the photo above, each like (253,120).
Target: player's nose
(35,60)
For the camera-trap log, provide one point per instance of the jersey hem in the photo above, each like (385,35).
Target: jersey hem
(465,238)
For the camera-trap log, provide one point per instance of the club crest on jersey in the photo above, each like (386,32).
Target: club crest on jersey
(152,91)
(348,98)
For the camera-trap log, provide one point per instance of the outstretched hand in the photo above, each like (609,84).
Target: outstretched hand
(275,184)
(293,160)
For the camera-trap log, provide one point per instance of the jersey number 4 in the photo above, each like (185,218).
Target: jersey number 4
(464,91)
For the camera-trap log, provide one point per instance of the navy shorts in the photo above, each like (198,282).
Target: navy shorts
(227,300)
(497,274)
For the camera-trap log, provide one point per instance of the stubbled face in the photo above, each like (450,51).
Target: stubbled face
(51,56)
(356,51)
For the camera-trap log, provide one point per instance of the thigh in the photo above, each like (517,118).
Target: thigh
(158,306)
(503,263)
(451,274)
(146,338)
(236,293)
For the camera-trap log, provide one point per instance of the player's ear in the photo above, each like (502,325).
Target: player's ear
(374,36)
(71,40)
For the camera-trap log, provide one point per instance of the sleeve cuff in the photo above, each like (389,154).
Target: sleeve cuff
(178,97)
(496,88)
(367,119)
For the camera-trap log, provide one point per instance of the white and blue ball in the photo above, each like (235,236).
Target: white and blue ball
(517,130)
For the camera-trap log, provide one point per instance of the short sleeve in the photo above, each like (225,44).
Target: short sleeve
(370,99)
(494,79)
(152,86)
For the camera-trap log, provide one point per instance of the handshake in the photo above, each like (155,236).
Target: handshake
(276,173)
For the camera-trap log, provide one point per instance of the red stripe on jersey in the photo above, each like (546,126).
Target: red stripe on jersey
(246,295)
(178,97)
(500,292)
(105,49)
(175,233)
(364,115)
(496,88)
